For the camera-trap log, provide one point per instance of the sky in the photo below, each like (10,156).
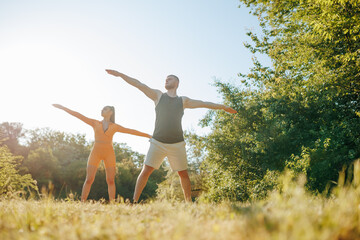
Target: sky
(57,52)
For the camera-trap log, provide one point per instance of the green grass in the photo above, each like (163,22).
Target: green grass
(291,214)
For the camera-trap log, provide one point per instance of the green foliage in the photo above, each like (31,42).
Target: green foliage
(170,189)
(301,113)
(72,177)
(67,148)
(124,152)
(125,183)
(42,164)
(10,135)
(10,180)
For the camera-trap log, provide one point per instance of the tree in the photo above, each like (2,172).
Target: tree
(302,112)
(10,179)
(11,133)
(42,165)
(314,46)
(66,147)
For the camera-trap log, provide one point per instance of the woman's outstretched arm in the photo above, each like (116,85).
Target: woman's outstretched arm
(76,114)
(131,131)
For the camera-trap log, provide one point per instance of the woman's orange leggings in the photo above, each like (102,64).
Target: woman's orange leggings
(102,151)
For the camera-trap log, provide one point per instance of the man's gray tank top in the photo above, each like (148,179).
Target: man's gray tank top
(169,112)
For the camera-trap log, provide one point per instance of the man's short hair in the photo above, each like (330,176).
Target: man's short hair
(172,75)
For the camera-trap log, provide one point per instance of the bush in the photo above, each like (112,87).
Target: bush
(11,182)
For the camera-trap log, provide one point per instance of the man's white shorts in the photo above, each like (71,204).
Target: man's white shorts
(175,152)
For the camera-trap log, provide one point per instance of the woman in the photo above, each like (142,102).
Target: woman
(103,149)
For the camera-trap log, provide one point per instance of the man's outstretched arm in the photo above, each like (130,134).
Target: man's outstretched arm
(153,94)
(191,103)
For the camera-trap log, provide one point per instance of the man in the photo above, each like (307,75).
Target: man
(168,140)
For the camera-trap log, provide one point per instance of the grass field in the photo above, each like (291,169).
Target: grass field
(291,214)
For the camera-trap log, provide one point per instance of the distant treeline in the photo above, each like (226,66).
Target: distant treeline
(61,158)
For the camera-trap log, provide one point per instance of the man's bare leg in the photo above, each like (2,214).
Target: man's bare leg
(185,184)
(141,181)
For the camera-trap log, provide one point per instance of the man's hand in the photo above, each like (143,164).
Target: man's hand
(58,106)
(113,72)
(229,110)
(191,103)
(153,94)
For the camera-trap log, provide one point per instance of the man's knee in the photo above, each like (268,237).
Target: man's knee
(147,170)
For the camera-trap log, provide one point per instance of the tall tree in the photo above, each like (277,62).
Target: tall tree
(302,112)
